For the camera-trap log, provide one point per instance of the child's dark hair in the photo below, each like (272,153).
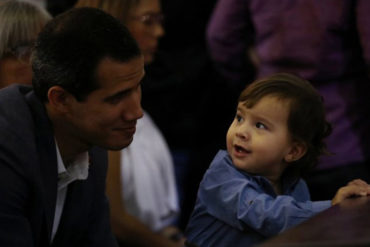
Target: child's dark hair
(306,121)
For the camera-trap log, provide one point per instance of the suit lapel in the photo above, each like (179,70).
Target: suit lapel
(48,162)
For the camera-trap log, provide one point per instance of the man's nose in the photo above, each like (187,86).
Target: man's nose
(159,30)
(133,109)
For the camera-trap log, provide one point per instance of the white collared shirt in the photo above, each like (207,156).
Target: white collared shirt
(148,178)
(77,170)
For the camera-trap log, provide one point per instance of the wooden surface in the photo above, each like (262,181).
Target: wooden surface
(345,224)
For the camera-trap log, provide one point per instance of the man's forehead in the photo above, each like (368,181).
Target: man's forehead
(113,70)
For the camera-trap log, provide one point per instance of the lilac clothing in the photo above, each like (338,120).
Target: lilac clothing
(326,42)
(234,208)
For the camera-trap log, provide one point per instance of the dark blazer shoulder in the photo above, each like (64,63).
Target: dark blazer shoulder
(17,142)
(15,115)
(27,155)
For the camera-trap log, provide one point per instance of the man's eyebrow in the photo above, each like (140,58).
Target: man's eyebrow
(118,94)
(127,90)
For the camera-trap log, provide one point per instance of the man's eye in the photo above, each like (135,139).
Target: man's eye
(260,125)
(114,100)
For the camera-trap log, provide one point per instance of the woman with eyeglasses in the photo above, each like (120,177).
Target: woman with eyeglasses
(20,22)
(141,183)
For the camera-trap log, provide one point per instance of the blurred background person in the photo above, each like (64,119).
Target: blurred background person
(20,22)
(186,96)
(141,183)
(325,42)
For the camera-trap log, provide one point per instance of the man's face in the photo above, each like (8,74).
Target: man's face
(107,117)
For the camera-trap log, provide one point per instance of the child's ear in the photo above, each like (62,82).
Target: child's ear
(296,152)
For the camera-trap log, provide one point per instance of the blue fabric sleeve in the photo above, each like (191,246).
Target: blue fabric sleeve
(233,199)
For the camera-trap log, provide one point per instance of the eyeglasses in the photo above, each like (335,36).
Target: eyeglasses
(150,19)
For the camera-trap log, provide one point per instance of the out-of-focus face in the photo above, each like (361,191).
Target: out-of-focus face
(107,117)
(15,69)
(258,140)
(145,25)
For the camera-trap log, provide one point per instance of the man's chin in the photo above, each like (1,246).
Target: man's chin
(119,146)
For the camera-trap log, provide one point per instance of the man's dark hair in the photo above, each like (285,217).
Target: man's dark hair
(70,47)
(306,120)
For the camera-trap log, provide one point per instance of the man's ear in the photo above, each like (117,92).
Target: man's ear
(296,152)
(59,98)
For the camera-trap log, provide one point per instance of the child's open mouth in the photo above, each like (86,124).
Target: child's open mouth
(241,150)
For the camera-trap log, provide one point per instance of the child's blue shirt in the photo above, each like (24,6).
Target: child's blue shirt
(234,208)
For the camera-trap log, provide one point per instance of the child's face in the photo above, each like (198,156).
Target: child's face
(258,140)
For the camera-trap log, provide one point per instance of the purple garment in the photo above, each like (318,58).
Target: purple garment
(326,42)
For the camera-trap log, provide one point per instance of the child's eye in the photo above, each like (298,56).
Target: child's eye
(238,118)
(260,125)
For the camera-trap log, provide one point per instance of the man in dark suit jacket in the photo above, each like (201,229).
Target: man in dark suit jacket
(86,96)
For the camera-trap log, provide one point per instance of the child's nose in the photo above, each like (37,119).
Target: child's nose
(243,132)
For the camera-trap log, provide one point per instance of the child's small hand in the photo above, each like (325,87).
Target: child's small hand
(356,187)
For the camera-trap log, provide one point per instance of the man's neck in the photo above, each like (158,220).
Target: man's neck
(69,150)
(70,146)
